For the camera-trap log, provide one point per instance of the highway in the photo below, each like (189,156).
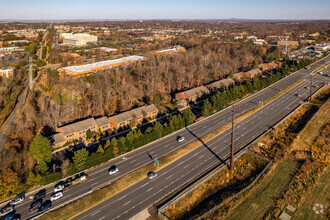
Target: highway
(140,157)
(145,193)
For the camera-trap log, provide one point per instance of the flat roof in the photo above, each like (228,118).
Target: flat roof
(90,67)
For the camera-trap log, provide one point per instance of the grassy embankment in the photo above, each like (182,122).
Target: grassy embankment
(298,176)
(134,177)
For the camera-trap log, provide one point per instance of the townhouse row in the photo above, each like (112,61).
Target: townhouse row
(77,130)
(183,98)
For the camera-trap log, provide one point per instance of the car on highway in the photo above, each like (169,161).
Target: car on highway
(47,204)
(152,175)
(39,195)
(58,188)
(321,73)
(17,199)
(113,169)
(10,216)
(56,196)
(7,209)
(35,205)
(180,139)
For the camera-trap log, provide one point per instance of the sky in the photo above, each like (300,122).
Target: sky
(163,9)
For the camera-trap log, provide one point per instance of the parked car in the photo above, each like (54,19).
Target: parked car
(45,206)
(35,205)
(17,199)
(6,210)
(152,175)
(56,196)
(113,169)
(180,139)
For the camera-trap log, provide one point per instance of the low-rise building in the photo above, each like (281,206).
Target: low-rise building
(238,76)
(104,50)
(76,71)
(7,72)
(220,84)
(134,116)
(10,49)
(191,95)
(252,73)
(268,66)
(81,39)
(175,49)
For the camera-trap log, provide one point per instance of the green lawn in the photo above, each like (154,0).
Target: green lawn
(320,193)
(256,202)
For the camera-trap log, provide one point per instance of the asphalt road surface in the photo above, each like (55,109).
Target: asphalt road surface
(143,156)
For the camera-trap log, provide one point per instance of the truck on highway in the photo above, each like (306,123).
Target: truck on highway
(79,178)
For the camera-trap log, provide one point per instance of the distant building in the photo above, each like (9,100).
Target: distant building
(135,115)
(252,73)
(78,40)
(220,84)
(172,50)
(268,66)
(10,49)
(76,71)
(289,43)
(191,95)
(238,76)
(7,72)
(104,50)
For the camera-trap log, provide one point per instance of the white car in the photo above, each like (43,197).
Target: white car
(113,169)
(6,210)
(180,138)
(321,73)
(56,196)
(152,175)
(17,200)
(58,188)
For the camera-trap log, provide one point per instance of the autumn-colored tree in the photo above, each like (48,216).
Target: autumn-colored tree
(100,149)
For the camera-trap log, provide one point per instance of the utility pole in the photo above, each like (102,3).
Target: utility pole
(232,142)
(310,89)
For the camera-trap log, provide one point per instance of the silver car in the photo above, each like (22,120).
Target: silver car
(152,175)
(6,210)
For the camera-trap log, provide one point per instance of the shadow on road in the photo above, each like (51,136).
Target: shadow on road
(207,147)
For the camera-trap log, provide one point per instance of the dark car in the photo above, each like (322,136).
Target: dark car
(39,196)
(45,206)
(35,205)
(10,216)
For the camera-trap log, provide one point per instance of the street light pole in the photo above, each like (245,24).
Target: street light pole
(232,142)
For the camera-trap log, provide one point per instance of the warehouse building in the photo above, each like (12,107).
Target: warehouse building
(76,71)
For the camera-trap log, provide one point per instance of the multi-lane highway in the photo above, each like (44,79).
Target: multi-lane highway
(217,148)
(142,195)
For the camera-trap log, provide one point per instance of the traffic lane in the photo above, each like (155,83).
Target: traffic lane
(225,150)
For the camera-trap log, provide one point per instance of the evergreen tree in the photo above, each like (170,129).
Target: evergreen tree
(89,134)
(80,158)
(188,117)
(207,108)
(249,87)
(42,167)
(158,130)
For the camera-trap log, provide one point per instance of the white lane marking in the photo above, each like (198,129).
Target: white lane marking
(186,166)
(122,197)
(102,218)
(127,202)
(169,177)
(132,161)
(149,189)
(94,183)
(95,212)
(201,156)
(66,196)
